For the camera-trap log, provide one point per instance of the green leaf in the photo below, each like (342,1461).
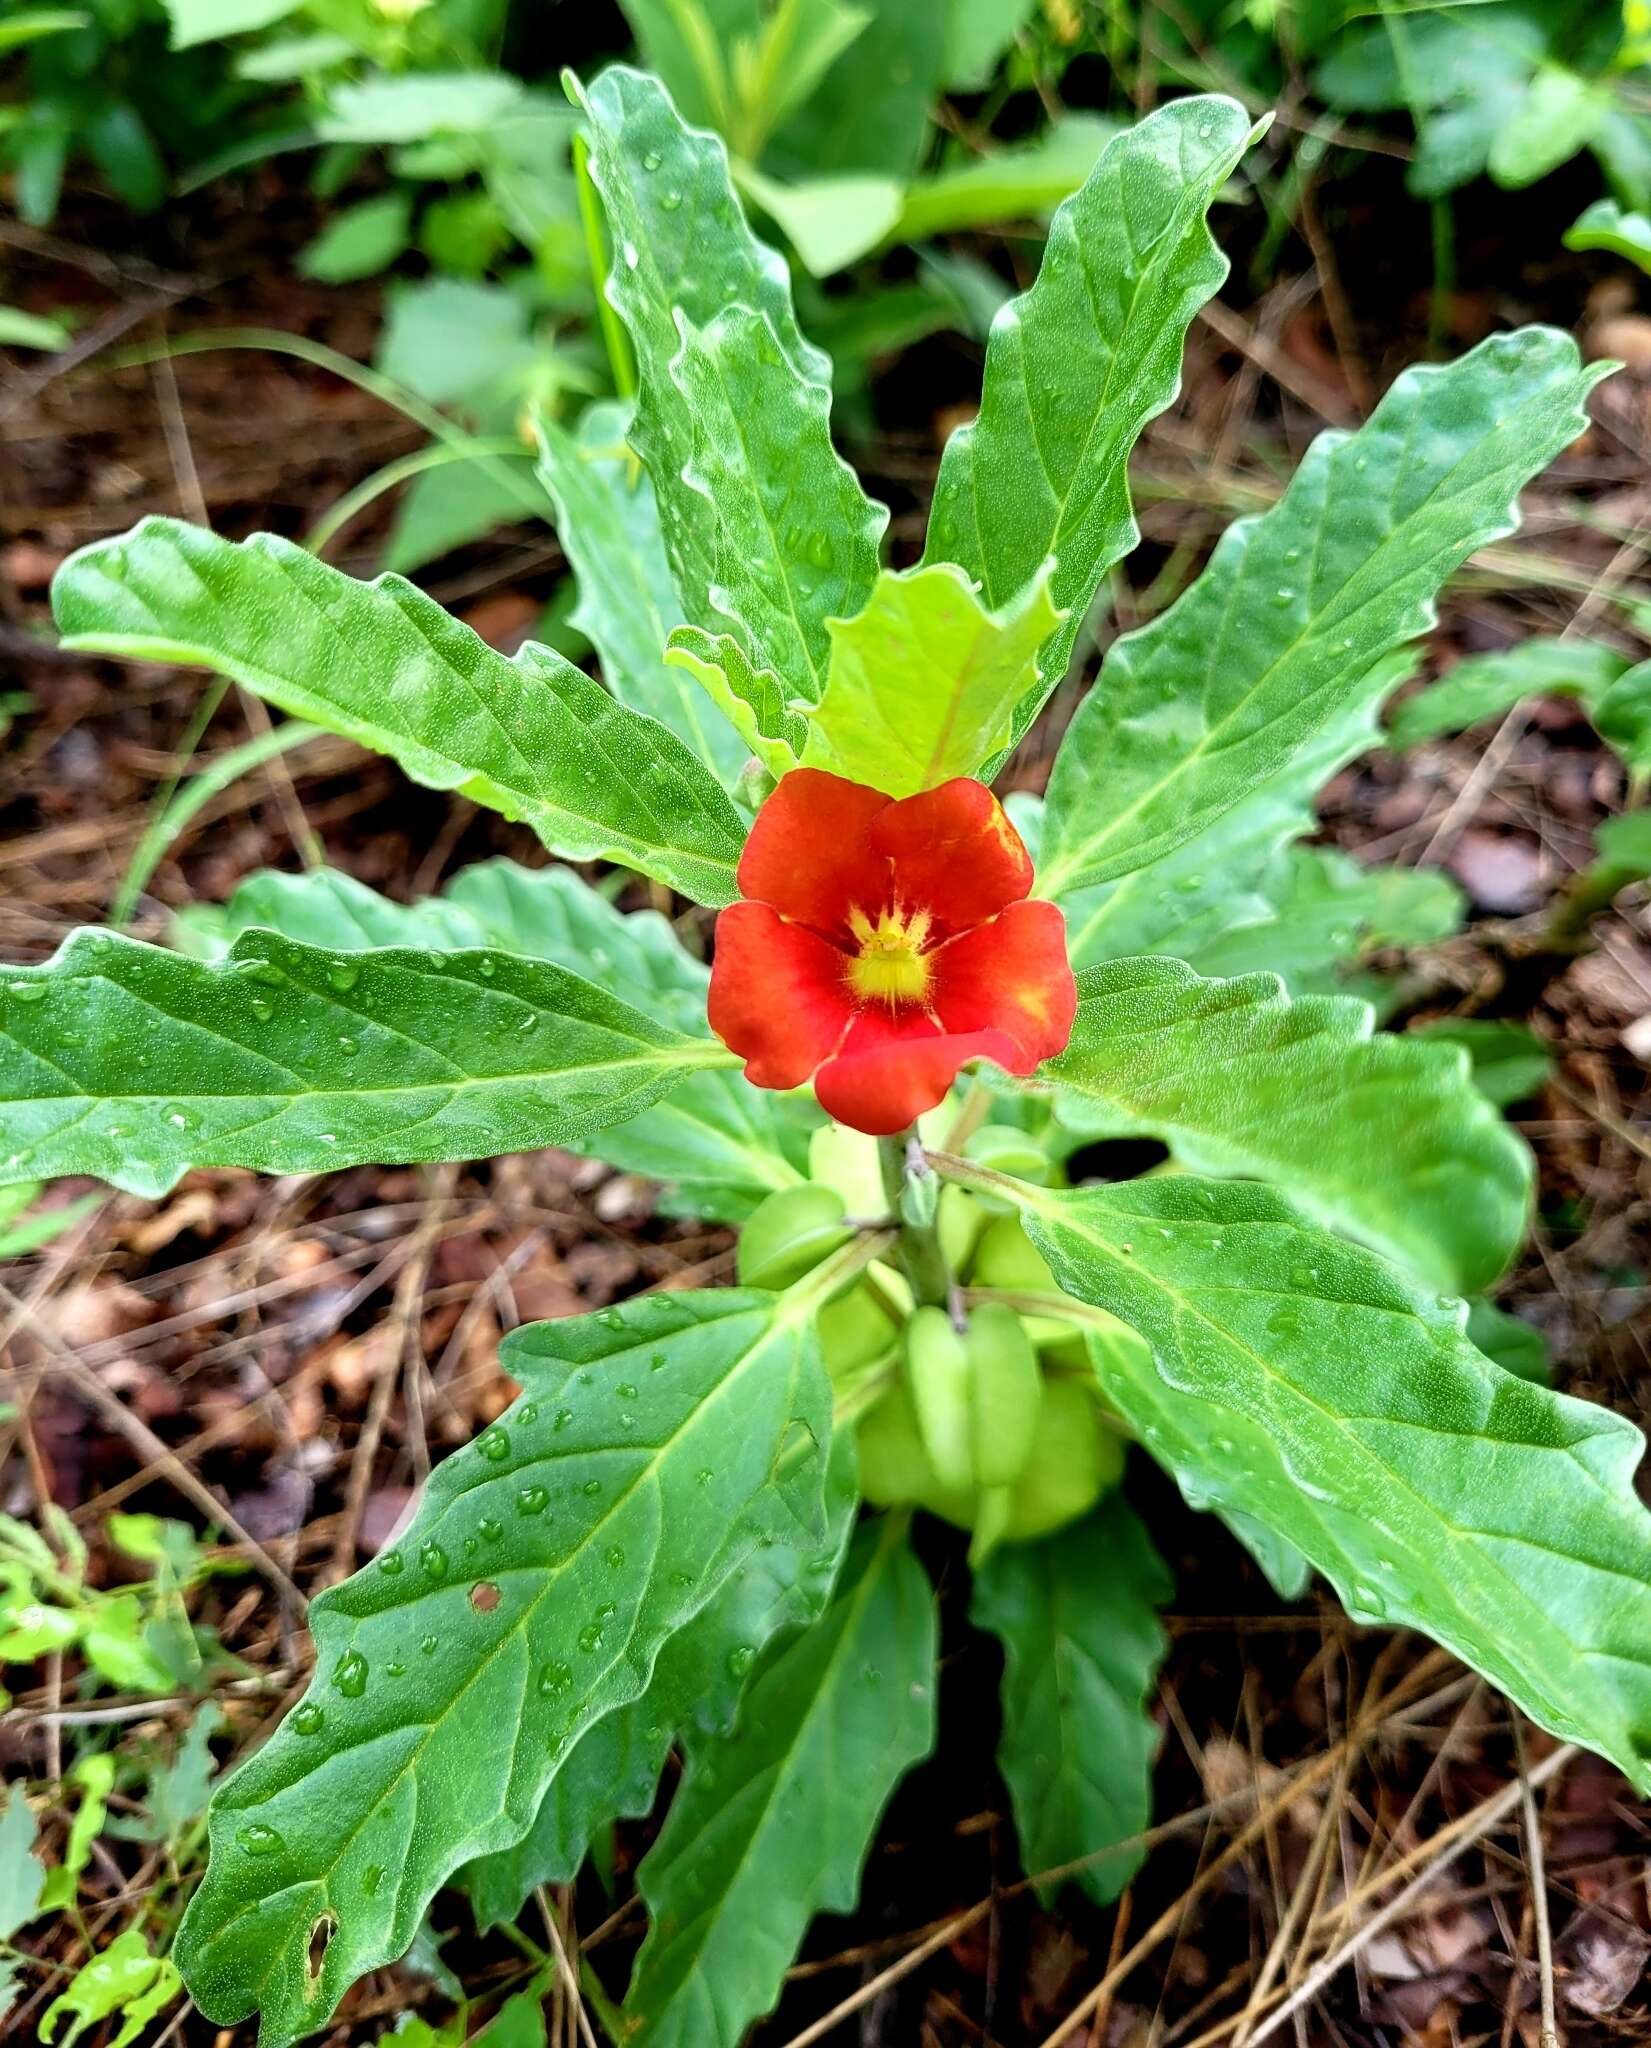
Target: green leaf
(29,24)
(359,241)
(1077,1618)
(924,682)
(30,330)
(1560,112)
(1383,1137)
(1606,225)
(1012,184)
(1323,911)
(1485,685)
(613,1770)
(828,221)
(385,665)
(718,1144)
(1623,857)
(1078,365)
(1622,716)
(1302,610)
(767,531)
(1509,1341)
(22,1876)
(547,1564)
(771,1824)
(454,503)
(1509,1063)
(753,699)
(454,341)
(20,1235)
(123,1979)
(608,524)
(208,21)
(178,1790)
(1228,876)
(978,32)
(1344,1409)
(325,908)
(416,105)
(870,112)
(134,1064)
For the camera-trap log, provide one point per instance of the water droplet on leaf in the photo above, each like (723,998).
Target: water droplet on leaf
(350,1674)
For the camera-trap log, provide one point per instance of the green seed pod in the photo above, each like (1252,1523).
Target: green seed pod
(1006,1150)
(1006,1257)
(789,1234)
(959,1221)
(938,1373)
(993,1507)
(856,1333)
(1074,1459)
(1005,1394)
(895,1470)
(847,1161)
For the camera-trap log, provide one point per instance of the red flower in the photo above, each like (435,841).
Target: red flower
(884,946)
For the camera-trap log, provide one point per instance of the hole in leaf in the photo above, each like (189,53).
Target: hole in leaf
(1115,1159)
(321,1935)
(484,1597)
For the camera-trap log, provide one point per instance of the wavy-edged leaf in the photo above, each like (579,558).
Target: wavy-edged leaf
(1323,910)
(716,1143)
(767,531)
(136,1064)
(1078,365)
(1077,1615)
(924,682)
(1606,225)
(385,665)
(1302,609)
(613,1771)
(530,1596)
(1485,685)
(608,524)
(1344,1409)
(1381,1136)
(752,698)
(771,1823)
(325,907)
(1508,1061)
(1226,877)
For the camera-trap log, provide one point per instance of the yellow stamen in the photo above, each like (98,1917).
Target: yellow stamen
(891,966)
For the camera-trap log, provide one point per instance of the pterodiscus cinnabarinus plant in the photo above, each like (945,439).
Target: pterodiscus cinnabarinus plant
(692,1529)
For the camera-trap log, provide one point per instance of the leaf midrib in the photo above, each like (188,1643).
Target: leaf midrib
(780,1327)
(1065,862)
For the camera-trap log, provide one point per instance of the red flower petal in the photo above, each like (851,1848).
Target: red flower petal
(892,1069)
(777,996)
(1011,975)
(809,855)
(954,852)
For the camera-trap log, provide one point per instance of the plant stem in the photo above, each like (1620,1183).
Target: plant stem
(921,1259)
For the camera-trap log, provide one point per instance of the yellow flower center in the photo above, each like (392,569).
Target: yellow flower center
(890,966)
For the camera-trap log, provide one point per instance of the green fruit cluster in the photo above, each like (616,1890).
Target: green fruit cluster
(992,1422)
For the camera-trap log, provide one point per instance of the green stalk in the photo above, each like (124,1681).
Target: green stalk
(918,1247)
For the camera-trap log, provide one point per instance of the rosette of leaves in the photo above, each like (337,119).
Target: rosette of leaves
(655,1547)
